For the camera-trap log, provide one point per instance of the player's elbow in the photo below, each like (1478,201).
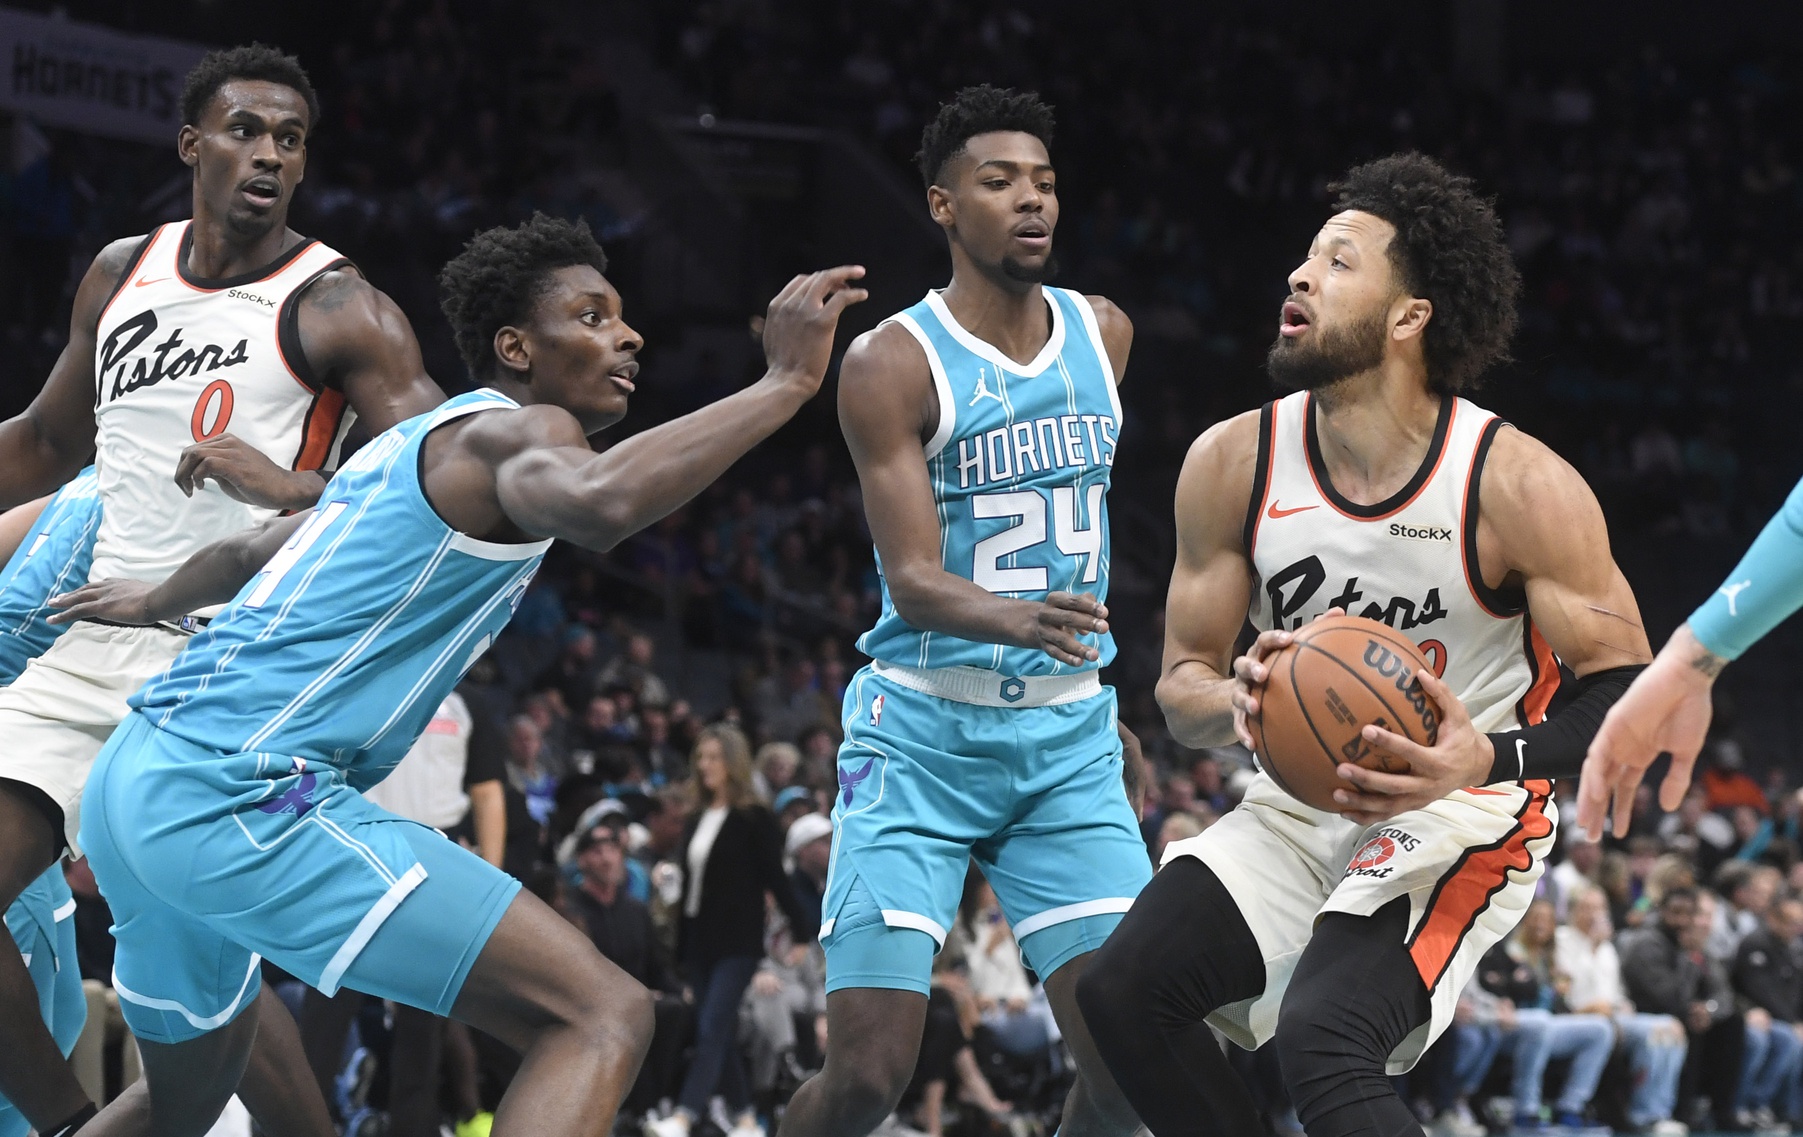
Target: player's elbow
(911,592)
(1189,715)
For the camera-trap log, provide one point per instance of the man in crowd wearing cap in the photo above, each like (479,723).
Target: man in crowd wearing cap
(619,925)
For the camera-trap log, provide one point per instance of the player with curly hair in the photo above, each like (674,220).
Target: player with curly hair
(983,421)
(213,366)
(347,625)
(1375,489)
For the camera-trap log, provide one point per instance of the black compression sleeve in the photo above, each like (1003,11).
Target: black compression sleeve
(1555,748)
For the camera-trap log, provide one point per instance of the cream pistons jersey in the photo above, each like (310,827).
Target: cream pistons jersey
(1409,562)
(180,360)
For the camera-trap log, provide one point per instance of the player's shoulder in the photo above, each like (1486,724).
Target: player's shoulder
(1110,320)
(113,262)
(500,434)
(886,350)
(1526,482)
(1218,474)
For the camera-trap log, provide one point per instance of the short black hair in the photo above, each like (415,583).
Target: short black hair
(501,274)
(246,61)
(1449,250)
(980,110)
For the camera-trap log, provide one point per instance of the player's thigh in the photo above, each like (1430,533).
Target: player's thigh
(920,780)
(1468,866)
(536,972)
(1071,859)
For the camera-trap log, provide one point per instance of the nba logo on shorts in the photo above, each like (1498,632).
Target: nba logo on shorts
(876,711)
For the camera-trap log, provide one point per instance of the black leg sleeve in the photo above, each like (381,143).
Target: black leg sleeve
(1355,995)
(1183,951)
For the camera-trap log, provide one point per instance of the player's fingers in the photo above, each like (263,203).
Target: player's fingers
(1397,746)
(1451,709)
(1248,670)
(834,280)
(1077,602)
(1625,789)
(1677,779)
(1083,623)
(843,299)
(787,293)
(1593,794)
(1269,643)
(1376,781)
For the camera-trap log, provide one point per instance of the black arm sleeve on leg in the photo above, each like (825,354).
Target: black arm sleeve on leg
(1183,951)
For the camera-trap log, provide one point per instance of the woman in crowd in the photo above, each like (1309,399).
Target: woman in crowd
(731,858)
(1521,969)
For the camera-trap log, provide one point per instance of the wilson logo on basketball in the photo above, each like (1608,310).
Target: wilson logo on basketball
(1388,664)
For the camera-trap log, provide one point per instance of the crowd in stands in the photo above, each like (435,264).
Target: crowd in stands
(683,692)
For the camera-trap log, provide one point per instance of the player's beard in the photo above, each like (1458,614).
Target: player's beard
(1031,274)
(1329,355)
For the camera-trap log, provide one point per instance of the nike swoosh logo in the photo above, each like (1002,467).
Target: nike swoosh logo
(142,283)
(1274,513)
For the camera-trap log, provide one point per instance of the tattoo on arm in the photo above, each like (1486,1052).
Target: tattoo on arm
(1709,663)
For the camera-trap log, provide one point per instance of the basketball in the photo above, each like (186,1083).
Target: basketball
(1339,674)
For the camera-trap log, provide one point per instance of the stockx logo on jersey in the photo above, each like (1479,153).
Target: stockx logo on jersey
(158,363)
(1291,590)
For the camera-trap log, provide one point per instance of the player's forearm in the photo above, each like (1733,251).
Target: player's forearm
(931,599)
(211,576)
(1762,591)
(1197,704)
(32,461)
(488,817)
(302,490)
(624,489)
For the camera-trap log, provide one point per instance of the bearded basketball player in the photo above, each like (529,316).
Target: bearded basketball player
(213,364)
(1376,489)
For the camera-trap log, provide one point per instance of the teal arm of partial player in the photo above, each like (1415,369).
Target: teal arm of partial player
(1762,591)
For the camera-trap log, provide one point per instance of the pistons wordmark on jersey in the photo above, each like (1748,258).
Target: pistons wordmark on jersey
(1409,562)
(1020,465)
(181,359)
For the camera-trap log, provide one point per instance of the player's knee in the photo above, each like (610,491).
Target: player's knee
(1328,1053)
(1110,996)
(868,1092)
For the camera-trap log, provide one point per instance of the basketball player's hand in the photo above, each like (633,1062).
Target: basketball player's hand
(1061,619)
(800,322)
(1249,675)
(246,474)
(116,601)
(1250,672)
(1460,756)
(1666,709)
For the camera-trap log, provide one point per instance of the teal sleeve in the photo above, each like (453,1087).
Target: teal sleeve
(1764,588)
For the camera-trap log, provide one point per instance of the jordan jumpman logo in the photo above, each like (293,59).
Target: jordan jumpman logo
(983,391)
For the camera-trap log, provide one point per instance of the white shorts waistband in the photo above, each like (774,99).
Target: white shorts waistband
(992,688)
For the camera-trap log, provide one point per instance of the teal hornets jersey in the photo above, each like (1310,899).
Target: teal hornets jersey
(53,558)
(342,647)
(1020,468)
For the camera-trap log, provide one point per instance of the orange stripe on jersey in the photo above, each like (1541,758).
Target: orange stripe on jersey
(1465,891)
(1546,676)
(323,419)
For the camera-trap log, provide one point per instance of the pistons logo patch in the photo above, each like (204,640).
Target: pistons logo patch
(876,711)
(1377,851)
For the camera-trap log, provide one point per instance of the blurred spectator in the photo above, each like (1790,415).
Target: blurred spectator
(1521,970)
(1768,977)
(1481,1023)
(1655,1044)
(1725,781)
(786,1004)
(731,859)
(1666,972)
(1746,893)
(633,669)
(620,928)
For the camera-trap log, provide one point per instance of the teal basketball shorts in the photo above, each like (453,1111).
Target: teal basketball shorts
(213,861)
(927,782)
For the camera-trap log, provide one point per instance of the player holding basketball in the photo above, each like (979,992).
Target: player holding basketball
(334,656)
(1668,708)
(983,421)
(1376,489)
(211,365)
